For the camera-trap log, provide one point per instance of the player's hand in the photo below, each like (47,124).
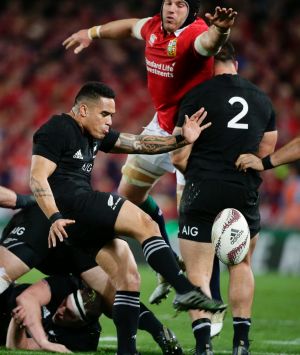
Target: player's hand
(54,347)
(19,315)
(246,161)
(192,128)
(79,39)
(57,230)
(222,18)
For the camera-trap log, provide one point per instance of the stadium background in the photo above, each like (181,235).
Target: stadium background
(38,78)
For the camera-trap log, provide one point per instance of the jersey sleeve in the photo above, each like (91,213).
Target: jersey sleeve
(49,141)
(109,141)
(272,122)
(137,28)
(148,26)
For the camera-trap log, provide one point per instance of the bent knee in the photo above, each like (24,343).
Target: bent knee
(148,225)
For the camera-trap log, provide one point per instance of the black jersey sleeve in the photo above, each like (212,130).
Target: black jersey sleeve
(61,286)
(49,140)
(272,122)
(109,141)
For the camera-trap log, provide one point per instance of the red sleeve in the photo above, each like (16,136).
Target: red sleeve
(148,27)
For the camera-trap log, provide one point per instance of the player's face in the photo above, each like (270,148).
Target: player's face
(98,118)
(174,13)
(66,316)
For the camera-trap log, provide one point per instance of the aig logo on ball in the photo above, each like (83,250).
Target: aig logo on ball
(188,230)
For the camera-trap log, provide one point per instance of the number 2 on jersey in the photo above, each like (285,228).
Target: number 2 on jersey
(233,123)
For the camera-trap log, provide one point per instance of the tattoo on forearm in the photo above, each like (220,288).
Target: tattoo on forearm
(148,144)
(38,190)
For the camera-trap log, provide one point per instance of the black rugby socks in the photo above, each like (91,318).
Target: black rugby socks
(201,330)
(148,322)
(125,314)
(160,257)
(241,327)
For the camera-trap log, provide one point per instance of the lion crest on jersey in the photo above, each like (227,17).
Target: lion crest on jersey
(172,45)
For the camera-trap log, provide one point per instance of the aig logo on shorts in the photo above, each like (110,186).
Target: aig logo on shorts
(18,230)
(190,231)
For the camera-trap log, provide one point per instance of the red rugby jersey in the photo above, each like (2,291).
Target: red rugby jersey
(173,66)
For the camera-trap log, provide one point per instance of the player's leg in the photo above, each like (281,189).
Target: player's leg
(241,294)
(119,264)
(198,258)
(140,173)
(11,268)
(134,223)
(96,278)
(163,288)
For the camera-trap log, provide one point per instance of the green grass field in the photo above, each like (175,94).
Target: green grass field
(275,329)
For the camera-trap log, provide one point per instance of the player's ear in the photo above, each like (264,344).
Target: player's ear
(236,64)
(83,110)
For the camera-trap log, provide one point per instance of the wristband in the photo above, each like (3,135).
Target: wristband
(55,217)
(221,30)
(179,138)
(266,162)
(94,32)
(24,201)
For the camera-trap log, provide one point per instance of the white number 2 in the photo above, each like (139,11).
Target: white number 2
(233,123)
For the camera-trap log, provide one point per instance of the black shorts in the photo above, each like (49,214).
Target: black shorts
(202,201)
(29,226)
(95,214)
(63,259)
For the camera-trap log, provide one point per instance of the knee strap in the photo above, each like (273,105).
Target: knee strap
(138,176)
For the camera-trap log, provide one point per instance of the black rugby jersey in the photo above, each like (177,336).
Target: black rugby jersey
(240,114)
(62,141)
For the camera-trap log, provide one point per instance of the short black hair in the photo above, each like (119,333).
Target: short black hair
(93,90)
(226,53)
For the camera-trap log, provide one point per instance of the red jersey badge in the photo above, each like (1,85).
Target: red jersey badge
(172,47)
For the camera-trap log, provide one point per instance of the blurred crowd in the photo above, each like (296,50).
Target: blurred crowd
(39,78)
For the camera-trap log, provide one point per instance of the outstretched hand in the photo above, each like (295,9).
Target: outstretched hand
(192,128)
(222,18)
(246,161)
(57,230)
(79,39)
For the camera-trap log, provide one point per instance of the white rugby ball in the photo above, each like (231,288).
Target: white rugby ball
(230,236)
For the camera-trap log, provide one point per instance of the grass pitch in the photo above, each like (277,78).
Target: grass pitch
(275,322)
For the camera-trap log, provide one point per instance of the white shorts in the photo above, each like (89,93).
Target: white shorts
(157,164)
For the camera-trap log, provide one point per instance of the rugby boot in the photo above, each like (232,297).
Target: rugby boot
(217,322)
(197,299)
(168,342)
(161,291)
(241,349)
(163,288)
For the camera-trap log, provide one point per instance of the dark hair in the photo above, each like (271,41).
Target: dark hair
(93,90)
(227,53)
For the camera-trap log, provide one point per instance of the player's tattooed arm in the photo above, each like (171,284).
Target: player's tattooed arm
(38,190)
(147,144)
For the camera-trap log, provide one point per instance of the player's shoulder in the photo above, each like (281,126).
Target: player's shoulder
(154,23)
(251,87)
(195,28)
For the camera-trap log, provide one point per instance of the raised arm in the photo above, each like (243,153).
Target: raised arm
(147,144)
(209,42)
(41,169)
(112,30)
